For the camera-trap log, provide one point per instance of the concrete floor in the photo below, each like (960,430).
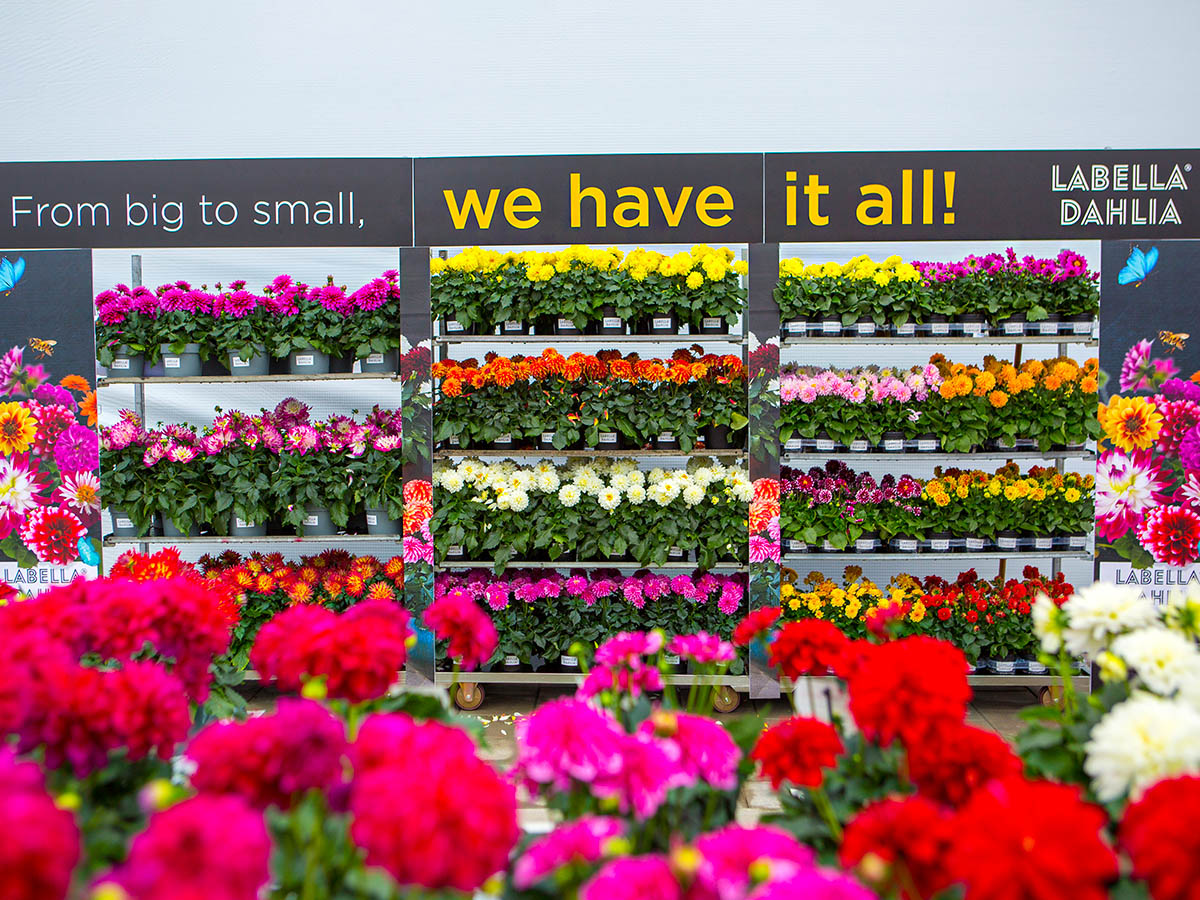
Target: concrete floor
(992,709)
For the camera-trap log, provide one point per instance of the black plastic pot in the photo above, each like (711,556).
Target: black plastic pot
(859,445)
(867,543)
(940,542)
(795,327)
(1043,542)
(973,325)
(1013,326)
(341,365)
(927,443)
(792,545)
(721,437)
(1083,324)
(678,555)
(941,326)
(666,440)
(1008,541)
(661,324)
(566,326)
(504,442)
(546,442)
(908,329)
(893,442)
(513,326)
(714,325)
(454,553)
(609,440)
(866,327)
(976,543)
(825,444)
(904,543)
(1048,325)
(830,326)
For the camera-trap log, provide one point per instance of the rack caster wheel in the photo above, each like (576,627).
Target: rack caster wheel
(468,695)
(725,699)
(1051,696)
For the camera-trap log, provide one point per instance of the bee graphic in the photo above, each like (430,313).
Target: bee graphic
(1172,340)
(46,347)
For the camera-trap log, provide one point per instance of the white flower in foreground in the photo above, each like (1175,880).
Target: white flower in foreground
(693,494)
(636,495)
(569,494)
(1164,660)
(1182,612)
(609,498)
(1100,612)
(451,481)
(1139,742)
(1048,622)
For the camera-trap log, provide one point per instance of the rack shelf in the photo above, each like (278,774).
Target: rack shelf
(737,682)
(848,456)
(589,338)
(252,379)
(926,555)
(112,540)
(924,340)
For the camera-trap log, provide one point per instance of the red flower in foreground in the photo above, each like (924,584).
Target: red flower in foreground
(1172,535)
(1031,840)
(952,763)
(756,624)
(457,619)
(357,653)
(797,750)
(1158,832)
(908,688)
(808,647)
(911,836)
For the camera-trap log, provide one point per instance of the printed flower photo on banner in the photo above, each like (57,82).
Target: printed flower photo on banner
(49,457)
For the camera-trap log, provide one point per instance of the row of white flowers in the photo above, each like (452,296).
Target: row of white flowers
(508,485)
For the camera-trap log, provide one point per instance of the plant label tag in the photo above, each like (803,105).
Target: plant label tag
(312,521)
(453,441)
(927,445)
(1081,327)
(828,547)
(972,329)
(1077,541)
(304,359)
(547,437)
(866,328)
(894,445)
(242,523)
(1047,328)
(120,363)
(1006,542)
(975,543)
(907,545)
(859,446)
(503,439)
(171,362)
(512,661)
(939,328)
(1011,327)
(453,325)
(671,659)
(793,444)
(661,322)
(514,325)
(237,362)
(866,544)
(939,545)
(608,437)
(675,553)
(611,322)
(666,437)
(1005,666)
(1043,542)
(908,329)
(372,519)
(710,322)
(570,662)
(375,359)
(122,522)
(825,444)
(566,324)
(797,326)
(831,326)
(454,550)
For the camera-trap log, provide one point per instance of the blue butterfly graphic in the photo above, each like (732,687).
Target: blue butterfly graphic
(87,552)
(1138,266)
(10,273)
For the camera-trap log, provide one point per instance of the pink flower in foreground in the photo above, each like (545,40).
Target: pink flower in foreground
(705,751)
(457,619)
(215,848)
(726,856)
(581,841)
(648,770)
(628,647)
(703,648)
(565,742)
(41,841)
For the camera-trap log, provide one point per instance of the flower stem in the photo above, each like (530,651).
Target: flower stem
(821,801)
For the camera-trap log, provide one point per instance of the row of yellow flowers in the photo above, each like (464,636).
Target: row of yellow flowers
(700,263)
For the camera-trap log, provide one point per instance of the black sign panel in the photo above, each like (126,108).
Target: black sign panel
(647,198)
(207,203)
(982,195)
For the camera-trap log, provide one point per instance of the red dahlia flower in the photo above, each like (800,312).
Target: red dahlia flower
(907,688)
(472,636)
(954,761)
(1031,840)
(797,750)
(808,647)
(1171,534)
(756,624)
(41,841)
(1159,835)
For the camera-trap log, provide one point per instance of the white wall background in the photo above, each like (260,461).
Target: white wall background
(124,79)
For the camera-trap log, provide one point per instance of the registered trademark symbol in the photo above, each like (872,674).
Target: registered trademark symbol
(1187,167)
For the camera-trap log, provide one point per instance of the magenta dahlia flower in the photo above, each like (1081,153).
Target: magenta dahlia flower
(1136,368)
(1127,486)
(1172,535)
